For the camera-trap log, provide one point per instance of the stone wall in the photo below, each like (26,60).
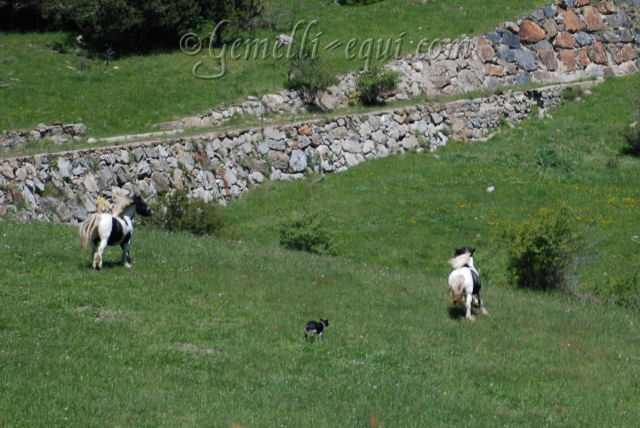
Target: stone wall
(64,186)
(568,41)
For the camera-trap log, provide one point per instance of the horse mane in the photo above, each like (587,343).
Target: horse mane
(459,261)
(120,204)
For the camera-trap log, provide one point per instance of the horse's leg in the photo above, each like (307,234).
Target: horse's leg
(125,254)
(97,257)
(467,302)
(482,309)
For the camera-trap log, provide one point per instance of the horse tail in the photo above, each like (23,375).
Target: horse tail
(87,228)
(456,288)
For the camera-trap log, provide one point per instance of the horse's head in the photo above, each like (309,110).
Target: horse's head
(141,206)
(464,250)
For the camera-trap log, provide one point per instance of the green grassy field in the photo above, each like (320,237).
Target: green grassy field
(129,94)
(208,331)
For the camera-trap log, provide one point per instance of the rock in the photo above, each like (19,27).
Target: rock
(526,60)
(550,28)
(583,57)
(567,57)
(550,11)
(284,39)
(304,130)
(583,39)
(511,40)
(257,176)
(572,21)
(546,54)
(627,53)
(279,160)
(606,7)
(409,142)
(494,37)
(512,27)
(592,18)
(65,168)
(505,53)
(485,49)
(597,53)
(495,70)
(565,40)
(298,161)
(274,133)
(531,32)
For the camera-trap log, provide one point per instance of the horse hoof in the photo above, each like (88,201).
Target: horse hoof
(127,265)
(471,318)
(484,311)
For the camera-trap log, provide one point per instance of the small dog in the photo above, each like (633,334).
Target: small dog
(464,281)
(316,328)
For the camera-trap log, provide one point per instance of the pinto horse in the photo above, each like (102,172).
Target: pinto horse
(464,281)
(104,229)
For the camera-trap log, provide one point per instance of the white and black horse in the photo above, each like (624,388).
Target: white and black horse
(464,281)
(102,229)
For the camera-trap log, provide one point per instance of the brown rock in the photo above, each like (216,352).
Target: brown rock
(572,21)
(495,70)
(550,27)
(568,58)
(583,57)
(546,54)
(485,49)
(565,40)
(627,53)
(304,130)
(597,53)
(583,2)
(593,18)
(531,32)
(606,7)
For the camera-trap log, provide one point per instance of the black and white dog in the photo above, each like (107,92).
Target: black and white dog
(316,328)
(464,281)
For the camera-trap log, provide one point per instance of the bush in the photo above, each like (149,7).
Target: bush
(305,233)
(375,83)
(623,292)
(308,75)
(176,212)
(540,251)
(138,25)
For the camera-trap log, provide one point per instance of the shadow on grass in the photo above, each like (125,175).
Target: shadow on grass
(457,312)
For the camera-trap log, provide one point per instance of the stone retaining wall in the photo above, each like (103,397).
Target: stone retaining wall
(64,186)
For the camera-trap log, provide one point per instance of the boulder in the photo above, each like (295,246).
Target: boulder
(546,54)
(568,58)
(572,22)
(597,53)
(592,18)
(531,32)
(565,40)
(526,59)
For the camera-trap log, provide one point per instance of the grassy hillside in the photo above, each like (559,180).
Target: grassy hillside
(412,210)
(49,81)
(206,331)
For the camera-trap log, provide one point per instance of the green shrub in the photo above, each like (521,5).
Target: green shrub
(305,233)
(623,292)
(308,75)
(540,251)
(175,211)
(572,94)
(136,25)
(375,83)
